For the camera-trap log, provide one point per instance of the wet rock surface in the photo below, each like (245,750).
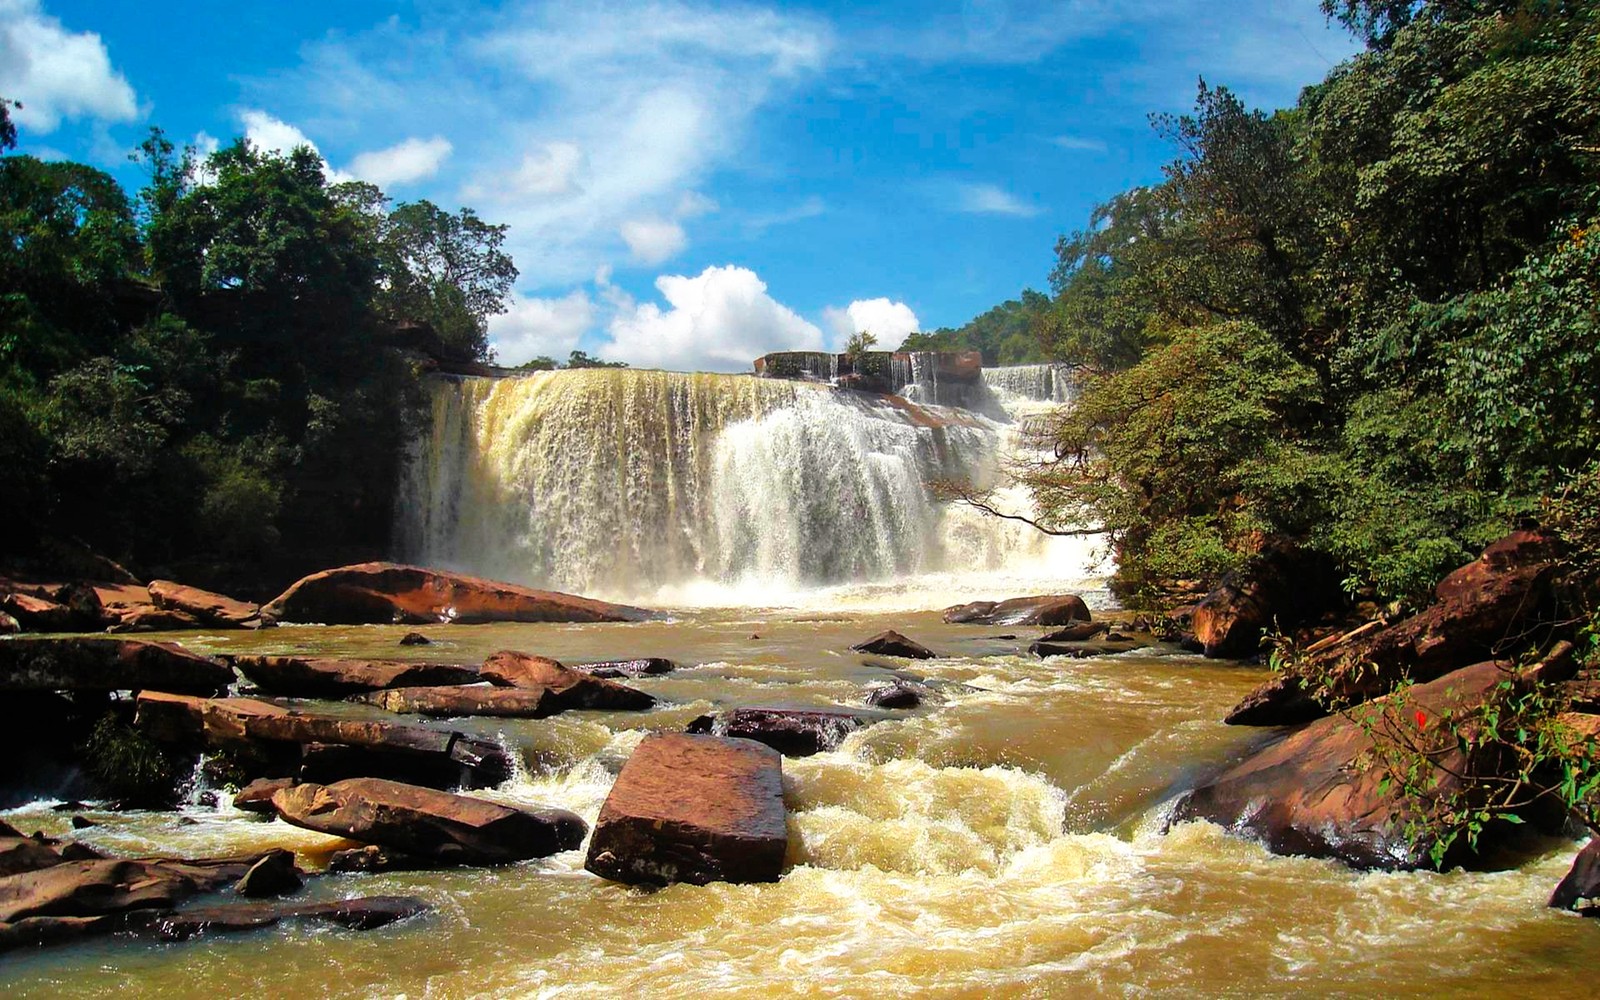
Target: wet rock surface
(211,609)
(309,677)
(791,732)
(456,702)
(646,666)
(363,914)
(1042,609)
(693,809)
(453,829)
(892,643)
(384,593)
(1580,889)
(570,688)
(81,663)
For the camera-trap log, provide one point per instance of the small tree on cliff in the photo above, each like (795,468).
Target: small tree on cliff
(859,343)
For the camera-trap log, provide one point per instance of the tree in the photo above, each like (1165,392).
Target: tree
(449,271)
(8,131)
(859,343)
(579,359)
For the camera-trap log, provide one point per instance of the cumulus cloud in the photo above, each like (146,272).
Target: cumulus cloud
(720,320)
(57,73)
(888,321)
(532,327)
(403,163)
(652,241)
(987,199)
(553,168)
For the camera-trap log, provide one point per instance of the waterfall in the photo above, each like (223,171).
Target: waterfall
(638,484)
(1043,383)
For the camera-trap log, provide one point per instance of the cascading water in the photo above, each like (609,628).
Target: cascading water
(1045,383)
(702,488)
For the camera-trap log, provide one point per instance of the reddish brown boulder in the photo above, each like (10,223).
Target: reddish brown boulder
(149,618)
(380,593)
(39,614)
(571,688)
(453,829)
(274,875)
(458,702)
(1044,609)
(301,677)
(694,809)
(256,797)
(215,610)
(9,625)
(1489,612)
(1508,554)
(1280,587)
(1076,632)
(98,887)
(791,732)
(363,914)
(100,664)
(1311,794)
(280,739)
(892,643)
(1581,884)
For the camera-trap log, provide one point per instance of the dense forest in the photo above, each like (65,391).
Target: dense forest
(1368,324)
(210,378)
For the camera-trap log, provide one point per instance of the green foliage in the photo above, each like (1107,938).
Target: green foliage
(1416,242)
(1012,333)
(860,343)
(127,766)
(578,359)
(8,130)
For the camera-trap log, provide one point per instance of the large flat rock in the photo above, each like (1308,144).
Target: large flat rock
(693,809)
(280,738)
(453,829)
(83,663)
(1042,609)
(215,610)
(379,593)
(460,702)
(309,677)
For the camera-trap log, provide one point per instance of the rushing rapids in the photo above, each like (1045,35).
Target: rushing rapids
(674,488)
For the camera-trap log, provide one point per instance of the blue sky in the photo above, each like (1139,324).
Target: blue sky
(688,185)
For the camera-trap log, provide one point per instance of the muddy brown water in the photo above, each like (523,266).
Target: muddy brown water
(1002,841)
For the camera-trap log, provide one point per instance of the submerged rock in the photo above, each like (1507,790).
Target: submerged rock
(892,643)
(382,593)
(900,694)
(570,688)
(1085,650)
(791,732)
(415,639)
(453,829)
(694,809)
(83,663)
(643,667)
(302,677)
(363,914)
(1076,632)
(1043,609)
(103,886)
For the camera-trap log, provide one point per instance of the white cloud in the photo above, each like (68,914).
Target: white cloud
(721,320)
(810,208)
(411,160)
(653,241)
(1079,143)
(693,204)
(56,73)
(987,199)
(554,168)
(535,326)
(888,321)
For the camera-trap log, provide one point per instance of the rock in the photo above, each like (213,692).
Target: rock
(353,914)
(149,618)
(1282,586)
(1507,555)
(381,593)
(299,677)
(571,688)
(276,737)
(694,809)
(897,695)
(791,732)
(1486,613)
(215,610)
(256,797)
(1044,609)
(1085,650)
(73,608)
(642,667)
(1311,795)
(415,639)
(274,875)
(9,625)
(20,854)
(459,702)
(1076,632)
(101,664)
(1581,883)
(372,860)
(83,823)
(453,829)
(892,643)
(98,887)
